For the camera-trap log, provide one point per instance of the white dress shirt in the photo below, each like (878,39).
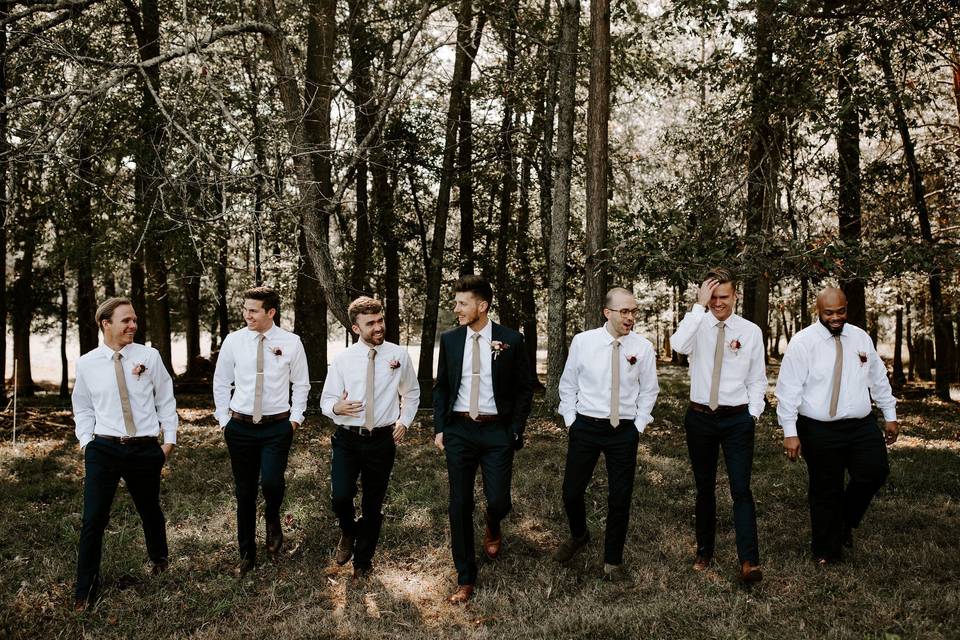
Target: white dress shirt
(284,364)
(96,395)
(805,383)
(743,374)
(585,383)
(396,391)
(487,404)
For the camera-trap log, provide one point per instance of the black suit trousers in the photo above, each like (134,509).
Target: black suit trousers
(105,463)
(470,446)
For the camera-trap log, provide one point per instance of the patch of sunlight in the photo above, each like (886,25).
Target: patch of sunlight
(418,517)
(413,586)
(910,442)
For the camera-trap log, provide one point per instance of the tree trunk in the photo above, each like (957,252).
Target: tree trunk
(4,6)
(150,176)
(898,378)
(528,303)
(83,246)
(223,261)
(560,215)
(595,279)
(508,181)
(428,334)
(64,329)
(138,295)
(911,353)
(365,113)
(192,304)
(942,323)
(546,109)
(763,166)
(848,176)
(465,153)
(21,311)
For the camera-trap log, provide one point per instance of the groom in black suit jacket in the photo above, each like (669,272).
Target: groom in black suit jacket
(481,401)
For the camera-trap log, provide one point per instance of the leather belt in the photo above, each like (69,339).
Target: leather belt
(488,417)
(364,432)
(601,422)
(719,411)
(242,417)
(126,439)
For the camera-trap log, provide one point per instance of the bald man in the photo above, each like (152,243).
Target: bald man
(828,375)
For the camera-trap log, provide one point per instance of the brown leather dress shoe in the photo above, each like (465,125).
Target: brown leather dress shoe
(463,593)
(491,545)
(702,563)
(750,573)
(570,547)
(274,537)
(80,605)
(344,549)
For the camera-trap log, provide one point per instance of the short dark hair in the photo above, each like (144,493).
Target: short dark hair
(477,285)
(267,295)
(721,275)
(364,305)
(107,307)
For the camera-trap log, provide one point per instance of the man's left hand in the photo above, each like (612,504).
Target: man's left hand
(517,441)
(294,425)
(891,431)
(167,450)
(399,431)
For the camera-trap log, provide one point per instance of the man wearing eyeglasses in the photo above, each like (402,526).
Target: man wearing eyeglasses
(607,392)
(728,379)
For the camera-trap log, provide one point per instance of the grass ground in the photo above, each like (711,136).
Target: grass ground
(903,580)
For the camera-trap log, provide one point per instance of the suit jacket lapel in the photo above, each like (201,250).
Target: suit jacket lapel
(456,360)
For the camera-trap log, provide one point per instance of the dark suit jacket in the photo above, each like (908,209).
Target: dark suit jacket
(512,378)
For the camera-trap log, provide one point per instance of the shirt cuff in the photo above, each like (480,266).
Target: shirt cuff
(222,418)
(296,417)
(569,418)
(85,439)
(890,415)
(641,426)
(169,435)
(789,429)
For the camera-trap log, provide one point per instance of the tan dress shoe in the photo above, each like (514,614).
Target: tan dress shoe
(491,545)
(344,549)
(463,593)
(750,573)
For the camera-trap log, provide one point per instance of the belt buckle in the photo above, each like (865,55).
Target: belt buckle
(125,439)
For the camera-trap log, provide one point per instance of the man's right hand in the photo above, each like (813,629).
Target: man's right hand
(791,447)
(706,291)
(438,441)
(346,407)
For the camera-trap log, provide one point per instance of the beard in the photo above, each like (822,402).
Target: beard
(834,332)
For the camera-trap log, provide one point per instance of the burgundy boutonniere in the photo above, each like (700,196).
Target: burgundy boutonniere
(394,364)
(632,359)
(863,357)
(496,347)
(735,345)
(277,351)
(139,370)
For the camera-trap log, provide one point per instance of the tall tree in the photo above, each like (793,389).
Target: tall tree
(365,113)
(83,250)
(942,322)
(560,215)
(598,116)
(508,181)
(762,170)
(4,159)
(461,63)
(465,155)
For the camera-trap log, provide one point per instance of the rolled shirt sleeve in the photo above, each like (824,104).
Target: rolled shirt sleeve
(649,388)
(84,414)
(756,382)
(685,337)
(880,389)
(300,383)
(222,382)
(569,384)
(409,391)
(164,400)
(789,390)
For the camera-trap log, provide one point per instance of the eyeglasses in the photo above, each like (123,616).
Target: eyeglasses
(626,312)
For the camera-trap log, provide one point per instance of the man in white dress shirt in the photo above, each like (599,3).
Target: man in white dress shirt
(122,400)
(371,393)
(728,380)
(262,362)
(828,375)
(607,392)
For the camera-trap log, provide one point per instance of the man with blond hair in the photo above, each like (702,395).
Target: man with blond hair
(122,400)
(371,393)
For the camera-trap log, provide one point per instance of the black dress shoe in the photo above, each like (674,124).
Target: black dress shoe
(274,537)
(571,547)
(344,549)
(245,566)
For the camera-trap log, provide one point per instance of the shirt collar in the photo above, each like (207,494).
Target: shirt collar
(360,344)
(269,333)
(825,333)
(608,337)
(732,320)
(107,352)
(486,333)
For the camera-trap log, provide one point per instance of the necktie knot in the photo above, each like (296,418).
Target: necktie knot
(721,324)
(371,354)
(117,355)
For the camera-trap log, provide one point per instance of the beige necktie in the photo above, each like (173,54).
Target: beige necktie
(615,384)
(370,403)
(258,389)
(128,423)
(837,374)
(717,364)
(475,378)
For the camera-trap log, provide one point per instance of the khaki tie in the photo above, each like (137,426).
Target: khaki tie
(258,389)
(475,378)
(615,384)
(128,423)
(837,374)
(717,364)
(370,402)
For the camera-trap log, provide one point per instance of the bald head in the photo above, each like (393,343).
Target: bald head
(832,309)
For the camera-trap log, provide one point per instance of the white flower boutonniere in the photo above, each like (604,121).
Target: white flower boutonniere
(735,345)
(496,347)
(139,370)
